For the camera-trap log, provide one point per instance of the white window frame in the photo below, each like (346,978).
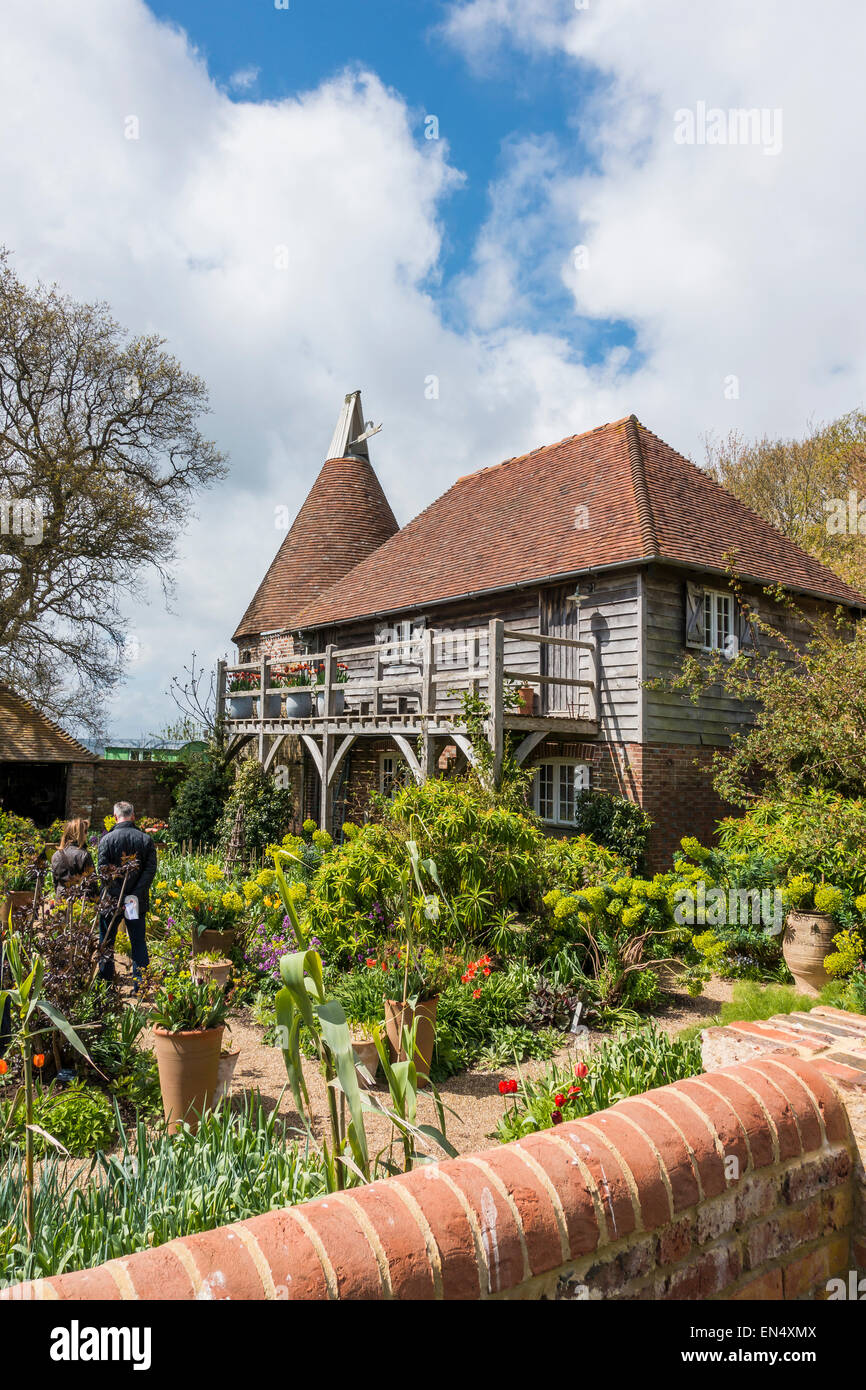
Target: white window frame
(717,635)
(555,765)
(391,778)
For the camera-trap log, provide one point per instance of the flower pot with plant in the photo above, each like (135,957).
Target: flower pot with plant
(809,930)
(20,883)
(365,1052)
(210,965)
(242,687)
(526,700)
(188,1024)
(297,681)
(341,675)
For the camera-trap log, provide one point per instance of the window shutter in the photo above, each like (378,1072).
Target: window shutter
(694,615)
(745,636)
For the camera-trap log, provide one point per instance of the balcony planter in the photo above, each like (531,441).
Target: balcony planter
(339,701)
(188,1065)
(218,971)
(526,697)
(241,706)
(396,1017)
(225,1076)
(298,703)
(273,706)
(807,939)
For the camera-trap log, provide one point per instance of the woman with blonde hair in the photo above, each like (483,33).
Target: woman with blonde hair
(73,860)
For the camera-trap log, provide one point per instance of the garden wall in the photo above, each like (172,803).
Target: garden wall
(739,1184)
(93,788)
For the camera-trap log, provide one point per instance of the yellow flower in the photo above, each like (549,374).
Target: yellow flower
(268,902)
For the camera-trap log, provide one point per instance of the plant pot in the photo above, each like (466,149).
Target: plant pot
(807,940)
(225,1076)
(298,703)
(365,1052)
(339,701)
(216,971)
(273,706)
(188,1068)
(397,1017)
(526,696)
(16,900)
(241,706)
(208,940)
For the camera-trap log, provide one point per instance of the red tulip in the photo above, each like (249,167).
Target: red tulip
(559,1100)
(504,1088)
(556,1117)
(39,1059)
(581,1070)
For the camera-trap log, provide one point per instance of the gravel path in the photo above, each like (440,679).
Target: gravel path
(472,1096)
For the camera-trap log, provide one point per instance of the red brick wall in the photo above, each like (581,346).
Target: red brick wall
(736,1184)
(93,788)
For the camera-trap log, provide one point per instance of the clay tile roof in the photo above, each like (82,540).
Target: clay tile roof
(520,522)
(345,517)
(27,735)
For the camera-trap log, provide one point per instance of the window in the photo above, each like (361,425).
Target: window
(718,621)
(556,785)
(392,773)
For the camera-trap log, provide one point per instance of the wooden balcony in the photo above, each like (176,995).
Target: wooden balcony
(410,691)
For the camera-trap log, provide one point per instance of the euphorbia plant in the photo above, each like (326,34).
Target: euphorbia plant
(183,1005)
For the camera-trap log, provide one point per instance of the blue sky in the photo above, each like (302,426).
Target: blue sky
(557,259)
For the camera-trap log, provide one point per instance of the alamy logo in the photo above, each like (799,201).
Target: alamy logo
(738,907)
(77,1343)
(19,516)
(740,125)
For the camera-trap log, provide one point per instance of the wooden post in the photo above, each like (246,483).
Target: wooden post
(474,663)
(221,691)
(264,682)
(594,693)
(327,737)
(377,676)
(496,664)
(428,687)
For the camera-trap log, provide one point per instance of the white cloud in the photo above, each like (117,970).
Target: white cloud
(244,79)
(724,260)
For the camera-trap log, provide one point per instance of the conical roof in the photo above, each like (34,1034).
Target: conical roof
(344,519)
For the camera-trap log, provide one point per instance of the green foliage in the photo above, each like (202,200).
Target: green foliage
(619,1067)
(267,808)
(80,1117)
(820,834)
(615,822)
(753,1002)
(156,1188)
(201,797)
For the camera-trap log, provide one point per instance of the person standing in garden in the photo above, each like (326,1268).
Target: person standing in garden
(73,861)
(127,867)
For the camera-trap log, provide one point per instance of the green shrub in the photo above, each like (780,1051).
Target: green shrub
(80,1117)
(201,798)
(618,1067)
(267,808)
(615,822)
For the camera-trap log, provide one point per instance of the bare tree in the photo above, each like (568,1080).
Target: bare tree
(100,460)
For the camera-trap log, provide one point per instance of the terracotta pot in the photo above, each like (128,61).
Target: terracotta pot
(397,1017)
(526,696)
(808,938)
(365,1052)
(15,901)
(188,1070)
(225,1075)
(221,941)
(217,971)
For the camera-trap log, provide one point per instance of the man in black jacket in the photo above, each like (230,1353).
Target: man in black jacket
(127,866)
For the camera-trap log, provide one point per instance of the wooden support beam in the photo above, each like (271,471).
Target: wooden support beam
(594,676)
(428,759)
(339,755)
(527,744)
(428,688)
(315,751)
(327,738)
(273,750)
(464,743)
(264,682)
(409,754)
(221,691)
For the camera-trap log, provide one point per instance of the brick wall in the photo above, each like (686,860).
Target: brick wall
(93,788)
(737,1184)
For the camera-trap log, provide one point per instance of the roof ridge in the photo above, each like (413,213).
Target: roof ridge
(641,489)
(539,449)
